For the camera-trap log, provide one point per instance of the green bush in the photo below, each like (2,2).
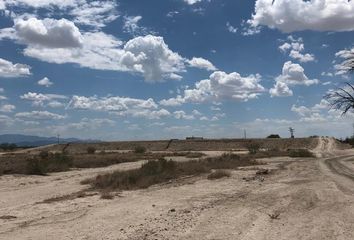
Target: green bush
(139,149)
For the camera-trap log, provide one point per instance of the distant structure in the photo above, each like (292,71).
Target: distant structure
(58,138)
(291,130)
(244,134)
(194,138)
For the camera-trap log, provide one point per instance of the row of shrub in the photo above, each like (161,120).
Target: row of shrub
(154,172)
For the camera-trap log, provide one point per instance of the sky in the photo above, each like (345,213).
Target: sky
(161,69)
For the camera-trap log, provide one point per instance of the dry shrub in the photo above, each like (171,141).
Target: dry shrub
(91,150)
(107,195)
(253,148)
(140,149)
(43,164)
(298,153)
(154,172)
(218,174)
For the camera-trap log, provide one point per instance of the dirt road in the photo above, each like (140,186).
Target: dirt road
(300,199)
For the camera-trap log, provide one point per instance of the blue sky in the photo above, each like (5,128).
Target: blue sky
(160,69)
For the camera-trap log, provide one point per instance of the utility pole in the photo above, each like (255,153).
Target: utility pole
(291,130)
(244,134)
(58,135)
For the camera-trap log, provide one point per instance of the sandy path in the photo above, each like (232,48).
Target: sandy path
(308,199)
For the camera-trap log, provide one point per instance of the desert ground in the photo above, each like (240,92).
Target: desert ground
(302,198)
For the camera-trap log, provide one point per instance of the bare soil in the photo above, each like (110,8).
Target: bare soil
(303,198)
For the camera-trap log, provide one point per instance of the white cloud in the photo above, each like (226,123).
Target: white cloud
(120,106)
(327,74)
(292,74)
(131,25)
(151,56)
(296,48)
(346,64)
(48,33)
(7,108)
(39,99)
(202,64)
(148,55)
(298,15)
(45,82)
(301,57)
(280,89)
(94,14)
(2,90)
(301,110)
(183,115)
(10,70)
(39,115)
(231,28)
(191,2)
(43,3)
(220,85)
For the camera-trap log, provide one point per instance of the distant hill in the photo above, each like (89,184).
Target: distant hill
(35,141)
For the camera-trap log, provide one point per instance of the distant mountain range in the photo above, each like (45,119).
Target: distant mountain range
(35,141)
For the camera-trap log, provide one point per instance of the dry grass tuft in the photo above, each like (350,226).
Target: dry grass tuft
(298,153)
(219,174)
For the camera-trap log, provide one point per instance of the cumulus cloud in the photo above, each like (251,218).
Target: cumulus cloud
(48,33)
(10,70)
(60,41)
(280,89)
(298,15)
(148,55)
(40,115)
(292,74)
(7,108)
(39,99)
(45,82)
(220,85)
(152,56)
(121,106)
(296,48)
(202,64)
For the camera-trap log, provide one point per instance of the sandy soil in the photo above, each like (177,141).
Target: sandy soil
(300,199)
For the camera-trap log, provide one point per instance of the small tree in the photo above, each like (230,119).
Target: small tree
(273,136)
